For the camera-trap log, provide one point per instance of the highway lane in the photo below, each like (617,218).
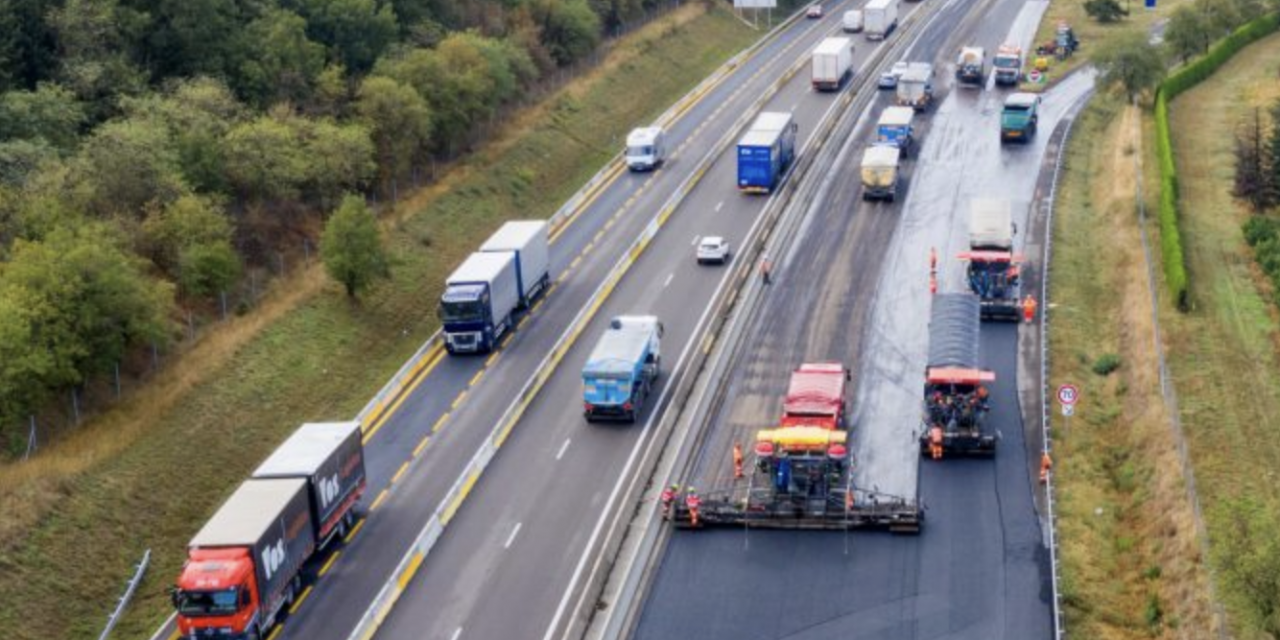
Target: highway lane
(433,431)
(501,568)
(979,570)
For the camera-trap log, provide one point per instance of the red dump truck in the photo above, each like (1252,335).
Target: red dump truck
(810,441)
(245,565)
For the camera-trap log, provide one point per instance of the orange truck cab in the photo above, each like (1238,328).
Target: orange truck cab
(246,563)
(815,397)
(810,435)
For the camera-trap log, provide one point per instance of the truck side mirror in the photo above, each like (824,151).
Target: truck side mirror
(175,595)
(848,375)
(661,329)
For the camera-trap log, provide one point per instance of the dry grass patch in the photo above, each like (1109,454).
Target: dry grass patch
(1131,567)
(149,472)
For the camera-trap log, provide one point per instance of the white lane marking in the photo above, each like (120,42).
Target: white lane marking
(640,442)
(794,106)
(511,538)
(456,633)
(564,447)
(695,240)
(719,204)
(669,277)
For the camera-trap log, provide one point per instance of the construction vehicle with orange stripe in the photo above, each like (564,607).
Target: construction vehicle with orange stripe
(956,394)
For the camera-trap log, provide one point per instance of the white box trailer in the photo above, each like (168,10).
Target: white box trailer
(832,62)
(330,457)
(479,302)
(529,239)
(880,173)
(880,18)
(991,224)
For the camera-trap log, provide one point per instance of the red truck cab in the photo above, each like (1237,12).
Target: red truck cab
(815,397)
(218,591)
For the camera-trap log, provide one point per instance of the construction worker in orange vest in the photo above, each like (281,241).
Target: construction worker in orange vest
(1029,308)
(1046,464)
(737,461)
(669,496)
(692,502)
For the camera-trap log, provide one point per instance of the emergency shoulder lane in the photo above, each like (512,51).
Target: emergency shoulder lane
(446,418)
(487,591)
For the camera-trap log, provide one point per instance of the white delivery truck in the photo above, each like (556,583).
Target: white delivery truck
(881,17)
(915,87)
(852,22)
(880,172)
(529,241)
(832,63)
(646,148)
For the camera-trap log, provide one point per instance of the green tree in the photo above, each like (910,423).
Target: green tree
(1131,63)
(340,159)
(50,113)
(21,158)
(265,160)
(351,246)
(193,37)
(95,39)
(570,29)
(27,372)
(197,113)
(189,221)
(88,300)
(125,165)
(281,62)
(28,49)
(1249,553)
(400,123)
(1105,11)
(356,31)
(1220,16)
(206,269)
(1188,34)
(332,96)
(1275,149)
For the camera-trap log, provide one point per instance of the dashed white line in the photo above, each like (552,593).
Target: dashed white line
(719,204)
(456,633)
(511,538)
(794,106)
(695,240)
(669,277)
(564,447)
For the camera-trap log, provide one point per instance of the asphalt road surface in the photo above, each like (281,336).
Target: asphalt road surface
(457,402)
(503,566)
(979,569)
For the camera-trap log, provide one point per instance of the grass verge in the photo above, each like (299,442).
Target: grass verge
(1090,32)
(1131,562)
(147,473)
(1224,352)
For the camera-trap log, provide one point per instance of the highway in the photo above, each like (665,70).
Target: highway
(416,451)
(860,274)
(507,564)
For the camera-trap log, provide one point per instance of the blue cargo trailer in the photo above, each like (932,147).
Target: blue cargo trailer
(765,152)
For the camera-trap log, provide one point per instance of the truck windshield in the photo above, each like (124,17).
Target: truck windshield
(639,152)
(1015,116)
(468,311)
(1006,63)
(208,603)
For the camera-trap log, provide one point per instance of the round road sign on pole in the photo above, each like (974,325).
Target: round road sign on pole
(1034,76)
(1068,394)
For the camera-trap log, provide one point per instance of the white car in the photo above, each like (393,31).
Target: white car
(713,249)
(889,79)
(814,11)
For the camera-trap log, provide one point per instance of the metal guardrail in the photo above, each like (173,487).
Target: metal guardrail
(646,535)
(612,168)
(114,619)
(387,596)
(1059,624)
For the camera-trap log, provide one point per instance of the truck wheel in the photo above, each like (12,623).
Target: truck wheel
(890,197)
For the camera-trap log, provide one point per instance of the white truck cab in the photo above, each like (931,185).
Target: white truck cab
(646,148)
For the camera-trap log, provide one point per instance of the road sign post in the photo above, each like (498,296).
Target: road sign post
(1068,395)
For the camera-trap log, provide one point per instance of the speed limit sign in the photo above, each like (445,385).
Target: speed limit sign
(1068,394)
(1035,76)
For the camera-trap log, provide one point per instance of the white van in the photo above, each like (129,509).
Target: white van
(853,21)
(646,148)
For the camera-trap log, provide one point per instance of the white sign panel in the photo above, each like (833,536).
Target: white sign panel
(1068,410)
(755,4)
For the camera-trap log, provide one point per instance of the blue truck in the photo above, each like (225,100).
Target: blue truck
(895,129)
(479,302)
(619,375)
(765,152)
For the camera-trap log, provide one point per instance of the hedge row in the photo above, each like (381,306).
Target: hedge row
(1175,266)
